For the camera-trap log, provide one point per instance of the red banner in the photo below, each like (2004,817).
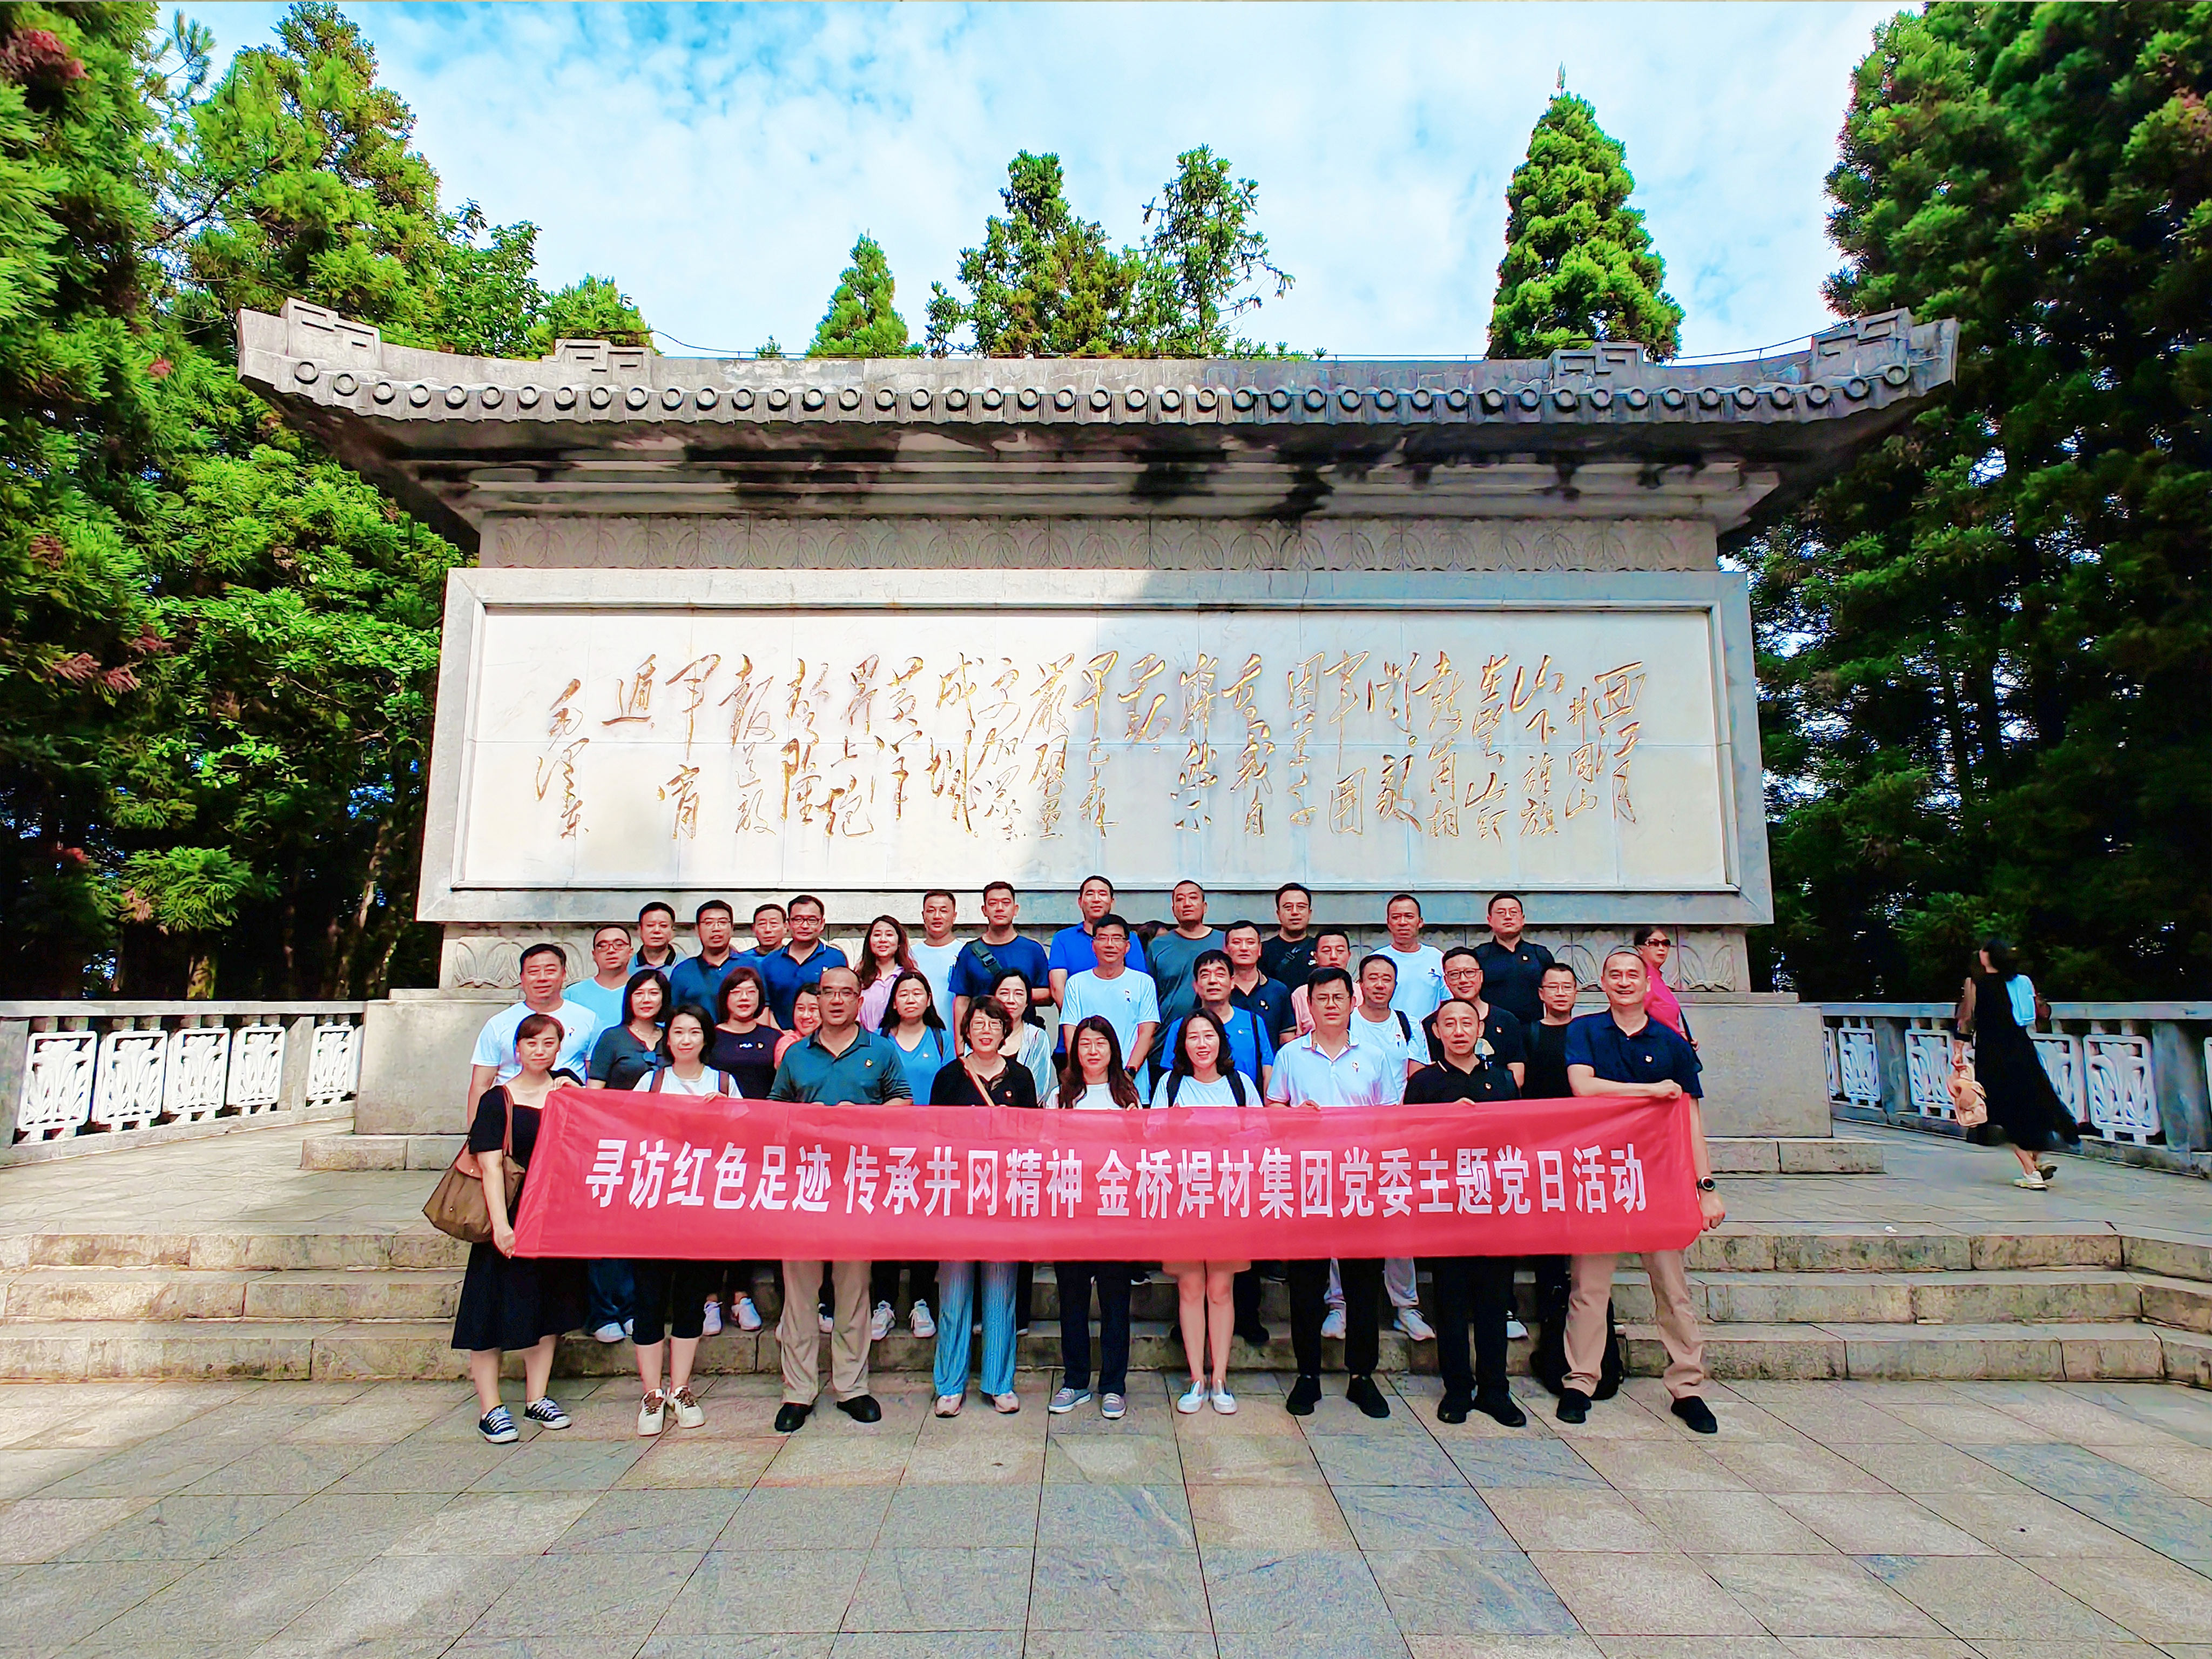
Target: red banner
(662,1176)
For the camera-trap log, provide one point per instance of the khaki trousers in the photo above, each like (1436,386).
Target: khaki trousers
(799,1335)
(1678,1326)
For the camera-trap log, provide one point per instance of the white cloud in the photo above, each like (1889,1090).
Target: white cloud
(718,161)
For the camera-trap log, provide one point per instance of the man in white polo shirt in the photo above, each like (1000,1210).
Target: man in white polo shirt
(544,971)
(1330,1067)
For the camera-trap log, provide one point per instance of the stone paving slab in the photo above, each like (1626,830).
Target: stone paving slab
(1874,1520)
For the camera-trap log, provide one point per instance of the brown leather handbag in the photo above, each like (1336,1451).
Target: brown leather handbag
(1970,1102)
(457,1206)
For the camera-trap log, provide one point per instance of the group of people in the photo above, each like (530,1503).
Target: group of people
(1104,1018)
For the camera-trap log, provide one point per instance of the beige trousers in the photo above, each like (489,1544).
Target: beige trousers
(799,1335)
(1678,1325)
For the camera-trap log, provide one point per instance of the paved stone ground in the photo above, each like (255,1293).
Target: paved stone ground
(2017,1520)
(253,1179)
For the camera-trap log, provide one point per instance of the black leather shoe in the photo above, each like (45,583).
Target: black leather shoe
(1304,1395)
(1574,1405)
(1500,1409)
(1453,1408)
(1362,1392)
(1698,1414)
(793,1418)
(1255,1333)
(862,1408)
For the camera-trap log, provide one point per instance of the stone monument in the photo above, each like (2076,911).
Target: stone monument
(743,629)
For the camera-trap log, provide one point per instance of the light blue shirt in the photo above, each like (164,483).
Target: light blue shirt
(604,1003)
(1420,990)
(580,1029)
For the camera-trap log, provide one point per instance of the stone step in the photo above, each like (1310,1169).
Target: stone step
(2041,1352)
(237,1249)
(2077,1296)
(135,1294)
(300,1350)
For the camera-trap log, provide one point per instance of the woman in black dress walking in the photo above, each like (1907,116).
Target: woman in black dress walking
(1997,1010)
(511,1302)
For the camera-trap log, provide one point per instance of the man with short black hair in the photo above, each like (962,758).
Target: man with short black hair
(1288,956)
(696,981)
(1331,1066)
(1251,1046)
(1420,966)
(769,935)
(1623,1051)
(935,951)
(603,993)
(1512,963)
(999,948)
(843,1063)
(1125,998)
(801,962)
(542,970)
(1468,1289)
(1501,1037)
(1071,951)
(1249,988)
(656,937)
(1175,951)
(1332,948)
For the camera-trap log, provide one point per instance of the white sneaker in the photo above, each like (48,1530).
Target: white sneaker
(1193,1400)
(2034,1183)
(749,1318)
(1416,1329)
(1515,1330)
(825,1321)
(610,1332)
(879,1326)
(710,1322)
(687,1414)
(1333,1326)
(653,1413)
(920,1321)
(1224,1402)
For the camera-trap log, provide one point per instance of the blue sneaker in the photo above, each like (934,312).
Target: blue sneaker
(497,1425)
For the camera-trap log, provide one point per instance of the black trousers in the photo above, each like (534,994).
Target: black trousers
(1076,1279)
(1477,1289)
(920,1278)
(1245,1291)
(1363,1300)
(660,1283)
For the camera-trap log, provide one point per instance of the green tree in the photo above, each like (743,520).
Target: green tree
(590,308)
(1985,649)
(1044,282)
(1204,261)
(79,423)
(862,321)
(1579,266)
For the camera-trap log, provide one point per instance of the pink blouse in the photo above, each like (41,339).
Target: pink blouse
(1662,1004)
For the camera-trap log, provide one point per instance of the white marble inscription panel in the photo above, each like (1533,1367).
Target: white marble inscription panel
(842,748)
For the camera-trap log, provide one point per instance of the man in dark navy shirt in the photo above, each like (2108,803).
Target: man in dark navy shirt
(1468,1289)
(1512,964)
(1623,1051)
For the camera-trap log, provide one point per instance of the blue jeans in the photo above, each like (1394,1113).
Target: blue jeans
(612,1292)
(955,1283)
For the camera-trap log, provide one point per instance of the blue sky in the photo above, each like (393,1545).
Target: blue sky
(719,161)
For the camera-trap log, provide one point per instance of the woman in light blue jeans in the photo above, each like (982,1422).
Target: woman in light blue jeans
(982,1077)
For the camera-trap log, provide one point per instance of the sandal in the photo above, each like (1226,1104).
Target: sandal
(949,1404)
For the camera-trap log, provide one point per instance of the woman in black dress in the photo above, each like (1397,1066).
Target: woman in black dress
(510,1302)
(743,1044)
(2024,1108)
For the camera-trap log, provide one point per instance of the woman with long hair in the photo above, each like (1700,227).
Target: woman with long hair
(982,1076)
(1654,943)
(886,953)
(743,1044)
(669,1293)
(633,1050)
(1093,1079)
(512,1303)
(805,1020)
(1200,1074)
(1996,1011)
(910,1020)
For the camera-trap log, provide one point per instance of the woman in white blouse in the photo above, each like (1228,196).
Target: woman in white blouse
(1200,1074)
(672,1295)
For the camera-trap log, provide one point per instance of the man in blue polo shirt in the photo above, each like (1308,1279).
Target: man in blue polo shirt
(1073,951)
(1250,1048)
(695,981)
(800,963)
(982,960)
(842,1064)
(1623,1051)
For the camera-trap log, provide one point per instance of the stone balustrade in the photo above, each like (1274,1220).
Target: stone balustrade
(80,1077)
(2135,1074)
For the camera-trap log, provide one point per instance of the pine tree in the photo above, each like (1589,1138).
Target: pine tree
(1579,267)
(1985,649)
(1203,256)
(1044,282)
(861,321)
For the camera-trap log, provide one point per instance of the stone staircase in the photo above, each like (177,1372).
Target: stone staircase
(2078,1303)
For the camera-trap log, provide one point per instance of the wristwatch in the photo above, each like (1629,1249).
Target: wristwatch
(1707,1184)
